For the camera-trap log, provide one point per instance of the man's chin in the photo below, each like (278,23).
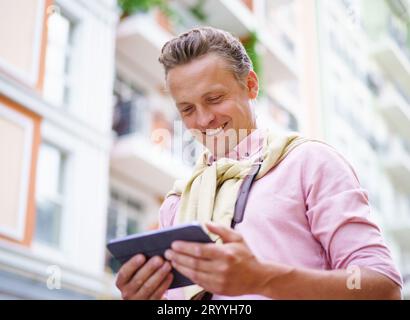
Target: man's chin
(222,145)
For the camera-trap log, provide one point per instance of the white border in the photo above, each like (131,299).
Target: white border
(28,127)
(31,77)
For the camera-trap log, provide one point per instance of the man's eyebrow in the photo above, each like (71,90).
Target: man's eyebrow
(180,104)
(212,91)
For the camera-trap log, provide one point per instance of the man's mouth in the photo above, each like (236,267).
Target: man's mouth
(214,132)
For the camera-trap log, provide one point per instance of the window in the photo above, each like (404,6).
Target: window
(283,117)
(374,83)
(58,82)
(49,195)
(124,218)
(131,111)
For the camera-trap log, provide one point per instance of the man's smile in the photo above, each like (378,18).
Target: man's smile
(214,132)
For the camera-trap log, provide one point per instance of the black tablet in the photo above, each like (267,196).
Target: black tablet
(155,243)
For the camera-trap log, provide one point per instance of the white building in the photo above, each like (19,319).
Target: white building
(82,100)
(320,76)
(62,225)
(366,108)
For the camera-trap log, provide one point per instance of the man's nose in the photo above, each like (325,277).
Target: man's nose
(204,118)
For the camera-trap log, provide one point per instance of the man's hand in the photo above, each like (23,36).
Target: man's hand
(141,280)
(227,269)
(231,269)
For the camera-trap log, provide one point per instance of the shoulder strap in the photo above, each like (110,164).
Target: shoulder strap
(244,190)
(238,213)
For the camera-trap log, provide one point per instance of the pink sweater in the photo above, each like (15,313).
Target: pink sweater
(309,211)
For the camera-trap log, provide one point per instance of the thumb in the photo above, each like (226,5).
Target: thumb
(227,234)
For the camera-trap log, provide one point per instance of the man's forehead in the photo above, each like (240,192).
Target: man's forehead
(208,68)
(187,88)
(186,94)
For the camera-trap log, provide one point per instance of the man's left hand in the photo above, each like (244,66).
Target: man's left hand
(227,269)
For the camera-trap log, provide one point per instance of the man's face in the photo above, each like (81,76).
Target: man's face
(212,103)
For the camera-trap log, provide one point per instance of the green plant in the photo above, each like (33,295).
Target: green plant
(251,44)
(198,10)
(129,7)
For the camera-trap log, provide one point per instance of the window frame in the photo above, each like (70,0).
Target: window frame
(75,49)
(59,198)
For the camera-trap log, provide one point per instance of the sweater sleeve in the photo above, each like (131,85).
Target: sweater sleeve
(167,211)
(339,214)
(167,214)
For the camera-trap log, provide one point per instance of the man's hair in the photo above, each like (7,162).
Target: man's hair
(200,41)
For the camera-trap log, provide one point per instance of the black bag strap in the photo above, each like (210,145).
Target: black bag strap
(244,190)
(240,206)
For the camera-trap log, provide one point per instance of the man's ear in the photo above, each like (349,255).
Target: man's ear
(252,84)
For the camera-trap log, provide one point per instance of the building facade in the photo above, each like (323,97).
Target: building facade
(91,142)
(366,107)
(56,83)
(333,70)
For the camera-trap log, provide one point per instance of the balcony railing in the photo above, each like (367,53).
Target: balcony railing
(134,117)
(397,162)
(398,36)
(394,105)
(131,116)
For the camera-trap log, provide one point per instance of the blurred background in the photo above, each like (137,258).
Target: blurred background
(82,91)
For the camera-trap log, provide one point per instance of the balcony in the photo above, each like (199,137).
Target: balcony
(393,55)
(286,95)
(144,150)
(139,42)
(278,64)
(234,16)
(138,159)
(230,15)
(400,231)
(395,107)
(396,162)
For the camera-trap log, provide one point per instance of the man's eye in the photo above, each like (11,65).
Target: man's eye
(188,109)
(215,99)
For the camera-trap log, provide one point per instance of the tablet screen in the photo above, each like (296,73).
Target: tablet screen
(155,243)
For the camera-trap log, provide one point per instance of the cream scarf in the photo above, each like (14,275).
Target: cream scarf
(210,193)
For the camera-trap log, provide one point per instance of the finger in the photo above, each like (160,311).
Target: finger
(188,261)
(208,251)
(128,270)
(198,277)
(227,234)
(140,277)
(153,282)
(160,291)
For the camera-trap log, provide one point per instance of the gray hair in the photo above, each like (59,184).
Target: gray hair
(200,41)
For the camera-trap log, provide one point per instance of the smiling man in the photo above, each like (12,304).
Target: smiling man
(214,104)
(305,231)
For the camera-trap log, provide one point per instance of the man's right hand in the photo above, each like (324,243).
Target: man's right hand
(141,280)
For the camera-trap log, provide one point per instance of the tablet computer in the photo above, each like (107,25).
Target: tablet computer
(155,243)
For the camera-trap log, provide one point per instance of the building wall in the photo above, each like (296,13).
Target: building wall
(26,45)
(352,84)
(20,136)
(308,86)
(20,126)
(81,131)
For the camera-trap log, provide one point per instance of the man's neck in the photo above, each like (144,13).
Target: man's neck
(244,144)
